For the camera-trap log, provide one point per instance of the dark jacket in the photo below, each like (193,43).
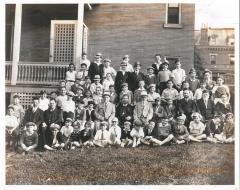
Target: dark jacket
(120,79)
(135,78)
(36,117)
(55,116)
(208,112)
(95,69)
(124,111)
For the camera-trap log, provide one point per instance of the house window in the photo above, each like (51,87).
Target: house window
(173,13)
(231,59)
(213,59)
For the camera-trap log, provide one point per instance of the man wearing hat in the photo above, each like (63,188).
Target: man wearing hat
(105,111)
(206,106)
(194,83)
(96,67)
(96,84)
(124,111)
(150,78)
(163,76)
(129,67)
(137,76)
(123,76)
(108,69)
(143,111)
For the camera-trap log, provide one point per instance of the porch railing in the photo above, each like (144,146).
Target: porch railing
(38,73)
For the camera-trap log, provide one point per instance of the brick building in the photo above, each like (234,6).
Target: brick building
(214,50)
(42,39)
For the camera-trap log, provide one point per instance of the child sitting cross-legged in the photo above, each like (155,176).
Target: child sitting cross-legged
(196,128)
(180,132)
(115,132)
(28,139)
(66,130)
(137,134)
(148,131)
(102,137)
(163,133)
(86,135)
(74,138)
(126,138)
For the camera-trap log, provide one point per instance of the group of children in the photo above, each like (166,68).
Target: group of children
(175,113)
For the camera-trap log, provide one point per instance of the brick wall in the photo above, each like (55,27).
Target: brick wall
(137,30)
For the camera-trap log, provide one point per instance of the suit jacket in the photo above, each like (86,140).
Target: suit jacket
(124,111)
(143,111)
(105,112)
(151,80)
(211,128)
(36,117)
(86,87)
(208,112)
(187,107)
(135,79)
(55,116)
(156,70)
(90,116)
(220,108)
(169,111)
(158,113)
(120,79)
(95,69)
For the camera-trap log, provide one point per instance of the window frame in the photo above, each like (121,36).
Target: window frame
(229,58)
(173,25)
(210,56)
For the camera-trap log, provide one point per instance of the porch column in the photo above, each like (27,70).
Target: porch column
(78,54)
(16,42)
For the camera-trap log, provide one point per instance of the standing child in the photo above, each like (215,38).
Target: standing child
(115,132)
(126,138)
(102,137)
(137,135)
(180,132)
(163,133)
(163,76)
(196,128)
(194,83)
(150,77)
(178,75)
(70,76)
(86,135)
(66,130)
(29,138)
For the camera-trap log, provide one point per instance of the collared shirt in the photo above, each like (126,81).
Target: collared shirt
(60,99)
(115,130)
(178,76)
(66,131)
(71,75)
(94,86)
(102,135)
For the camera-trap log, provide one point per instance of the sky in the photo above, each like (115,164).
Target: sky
(216,13)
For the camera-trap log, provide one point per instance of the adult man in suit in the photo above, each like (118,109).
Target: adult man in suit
(105,111)
(124,111)
(143,111)
(96,67)
(34,114)
(187,106)
(137,76)
(206,106)
(52,115)
(122,76)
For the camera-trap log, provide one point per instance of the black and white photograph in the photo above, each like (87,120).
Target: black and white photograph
(121,93)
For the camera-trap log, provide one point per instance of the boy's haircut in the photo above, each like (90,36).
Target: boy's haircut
(84,53)
(157,54)
(53,99)
(111,85)
(71,64)
(35,98)
(84,64)
(79,102)
(151,121)
(43,92)
(91,102)
(177,60)
(16,96)
(169,81)
(10,107)
(28,124)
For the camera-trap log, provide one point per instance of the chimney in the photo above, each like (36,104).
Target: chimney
(204,35)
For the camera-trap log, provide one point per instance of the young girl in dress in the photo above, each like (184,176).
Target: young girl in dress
(66,130)
(137,135)
(196,128)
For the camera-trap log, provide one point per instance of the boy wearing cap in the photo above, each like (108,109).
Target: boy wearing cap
(150,78)
(163,76)
(96,84)
(105,111)
(102,136)
(178,75)
(107,68)
(11,124)
(126,138)
(43,100)
(126,91)
(180,132)
(70,76)
(194,83)
(96,67)
(123,76)
(80,114)
(115,132)
(29,138)
(67,130)
(137,76)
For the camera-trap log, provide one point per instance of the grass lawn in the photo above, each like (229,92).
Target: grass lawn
(200,164)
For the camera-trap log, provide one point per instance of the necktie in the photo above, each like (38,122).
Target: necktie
(102,135)
(115,131)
